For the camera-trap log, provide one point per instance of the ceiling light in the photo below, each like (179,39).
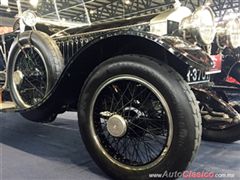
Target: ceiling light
(8,10)
(4,2)
(34,3)
(127,2)
(92,11)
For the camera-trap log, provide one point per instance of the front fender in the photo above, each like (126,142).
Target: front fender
(185,51)
(188,52)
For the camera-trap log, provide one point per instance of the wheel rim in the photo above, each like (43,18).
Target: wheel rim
(143,139)
(30,76)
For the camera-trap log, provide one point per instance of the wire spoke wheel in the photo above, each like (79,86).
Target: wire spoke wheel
(138,117)
(30,76)
(132,121)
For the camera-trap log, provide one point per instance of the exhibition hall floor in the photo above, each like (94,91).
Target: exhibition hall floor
(32,151)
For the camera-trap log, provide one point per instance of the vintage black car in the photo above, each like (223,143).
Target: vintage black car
(128,79)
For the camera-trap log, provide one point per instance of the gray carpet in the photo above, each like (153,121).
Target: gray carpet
(31,151)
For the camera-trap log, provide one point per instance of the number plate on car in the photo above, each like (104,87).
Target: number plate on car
(196,76)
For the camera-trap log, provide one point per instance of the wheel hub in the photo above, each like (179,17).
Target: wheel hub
(18,77)
(117,126)
(133,111)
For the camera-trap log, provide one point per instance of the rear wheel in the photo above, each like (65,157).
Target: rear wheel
(138,117)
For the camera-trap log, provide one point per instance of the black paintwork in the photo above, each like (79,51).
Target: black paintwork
(84,51)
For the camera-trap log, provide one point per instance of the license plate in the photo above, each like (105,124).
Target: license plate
(195,75)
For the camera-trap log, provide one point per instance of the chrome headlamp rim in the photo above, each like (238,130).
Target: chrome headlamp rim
(226,37)
(192,25)
(29,18)
(198,31)
(231,37)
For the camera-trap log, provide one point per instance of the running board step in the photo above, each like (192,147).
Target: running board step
(7,105)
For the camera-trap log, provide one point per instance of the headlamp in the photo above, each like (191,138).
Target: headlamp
(228,33)
(29,18)
(200,25)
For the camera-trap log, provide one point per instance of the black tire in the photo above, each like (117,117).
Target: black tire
(177,96)
(235,72)
(45,118)
(37,62)
(228,135)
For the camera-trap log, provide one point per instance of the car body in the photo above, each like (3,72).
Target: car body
(79,66)
(129,35)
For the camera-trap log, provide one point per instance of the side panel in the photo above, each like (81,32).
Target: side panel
(87,52)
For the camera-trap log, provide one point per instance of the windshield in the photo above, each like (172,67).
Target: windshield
(61,13)
(81,13)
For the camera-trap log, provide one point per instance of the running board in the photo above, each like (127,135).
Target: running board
(7,105)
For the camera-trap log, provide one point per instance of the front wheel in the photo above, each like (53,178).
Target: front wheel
(138,117)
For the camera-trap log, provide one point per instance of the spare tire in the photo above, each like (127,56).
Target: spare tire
(35,64)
